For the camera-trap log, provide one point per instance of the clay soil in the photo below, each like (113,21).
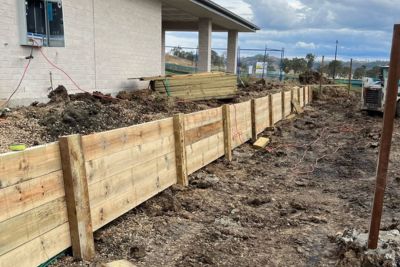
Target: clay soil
(282,206)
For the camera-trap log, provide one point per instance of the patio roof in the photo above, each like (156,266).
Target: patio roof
(183,15)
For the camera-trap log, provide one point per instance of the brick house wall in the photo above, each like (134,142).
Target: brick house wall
(106,42)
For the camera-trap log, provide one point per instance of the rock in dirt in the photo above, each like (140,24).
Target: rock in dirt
(120,263)
(137,252)
(60,94)
(353,249)
(257,202)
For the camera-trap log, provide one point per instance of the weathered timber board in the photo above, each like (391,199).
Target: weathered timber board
(288,104)
(262,114)
(240,123)
(16,167)
(276,107)
(203,152)
(102,144)
(30,194)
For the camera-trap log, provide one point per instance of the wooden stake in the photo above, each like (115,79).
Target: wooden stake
(291,100)
(226,114)
(253,121)
(180,149)
(77,197)
(283,104)
(386,140)
(350,72)
(271,117)
(321,74)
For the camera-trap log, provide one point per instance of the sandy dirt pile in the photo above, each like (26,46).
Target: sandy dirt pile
(282,206)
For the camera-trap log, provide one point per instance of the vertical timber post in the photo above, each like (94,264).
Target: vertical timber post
(253,121)
(321,74)
(180,149)
(226,115)
(386,139)
(77,197)
(350,72)
(291,100)
(271,111)
(298,96)
(283,104)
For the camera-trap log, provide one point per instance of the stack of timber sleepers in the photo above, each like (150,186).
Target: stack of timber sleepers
(202,86)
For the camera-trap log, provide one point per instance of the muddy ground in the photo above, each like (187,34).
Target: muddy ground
(282,206)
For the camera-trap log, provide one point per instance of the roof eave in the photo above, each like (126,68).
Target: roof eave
(226,13)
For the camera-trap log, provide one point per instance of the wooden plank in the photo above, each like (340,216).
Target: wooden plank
(17,167)
(32,224)
(306,101)
(297,107)
(277,107)
(210,81)
(77,197)
(271,110)
(185,76)
(261,143)
(287,98)
(203,94)
(241,123)
(202,153)
(31,194)
(141,186)
(262,114)
(283,103)
(40,249)
(253,121)
(115,163)
(102,144)
(201,118)
(196,134)
(128,180)
(180,150)
(227,132)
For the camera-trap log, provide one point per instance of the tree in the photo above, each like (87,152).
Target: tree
(360,72)
(179,52)
(287,65)
(335,66)
(310,60)
(299,65)
(374,72)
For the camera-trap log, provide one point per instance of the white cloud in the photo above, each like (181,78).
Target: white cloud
(304,45)
(363,27)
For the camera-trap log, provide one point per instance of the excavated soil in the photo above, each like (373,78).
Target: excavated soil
(89,113)
(282,206)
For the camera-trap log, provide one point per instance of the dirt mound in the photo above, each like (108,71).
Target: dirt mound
(312,77)
(60,94)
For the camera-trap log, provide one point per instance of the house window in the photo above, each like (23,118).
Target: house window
(44,23)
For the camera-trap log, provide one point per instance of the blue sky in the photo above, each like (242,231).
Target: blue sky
(363,27)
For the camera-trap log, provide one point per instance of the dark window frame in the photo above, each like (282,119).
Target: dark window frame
(44,23)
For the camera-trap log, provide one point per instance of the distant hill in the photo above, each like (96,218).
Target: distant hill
(178,61)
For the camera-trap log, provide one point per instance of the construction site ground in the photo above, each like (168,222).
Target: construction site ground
(280,206)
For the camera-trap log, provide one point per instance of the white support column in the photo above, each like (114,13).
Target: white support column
(163,52)
(232,52)
(205,34)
